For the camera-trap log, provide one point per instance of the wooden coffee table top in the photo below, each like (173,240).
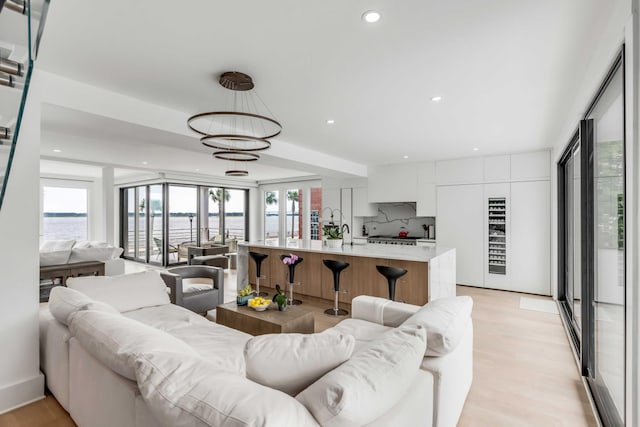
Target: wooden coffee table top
(271,321)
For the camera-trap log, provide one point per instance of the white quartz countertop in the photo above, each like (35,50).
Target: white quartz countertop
(401,252)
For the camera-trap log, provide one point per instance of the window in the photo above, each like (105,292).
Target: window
(271,216)
(294,216)
(64,212)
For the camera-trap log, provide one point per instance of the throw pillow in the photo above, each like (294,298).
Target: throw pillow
(92,254)
(291,362)
(125,292)
(369,384)
(64,301)
(445,320)
(117,341)
(55,252)
(187,391)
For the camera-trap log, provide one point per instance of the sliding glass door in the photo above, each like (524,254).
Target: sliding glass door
(592,271)
(608,251)
(160,222)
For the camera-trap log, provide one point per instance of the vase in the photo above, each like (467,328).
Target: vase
(334,243)
(243,300)
(282,307)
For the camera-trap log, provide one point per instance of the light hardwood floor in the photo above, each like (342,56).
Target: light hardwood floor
(524,372)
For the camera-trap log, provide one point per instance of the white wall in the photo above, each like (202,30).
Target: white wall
(20,379)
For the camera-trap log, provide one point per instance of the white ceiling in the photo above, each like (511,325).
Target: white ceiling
(507,69)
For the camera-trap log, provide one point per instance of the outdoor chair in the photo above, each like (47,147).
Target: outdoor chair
(158,243)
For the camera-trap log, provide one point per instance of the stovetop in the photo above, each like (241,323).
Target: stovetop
(394,237)
(393,240)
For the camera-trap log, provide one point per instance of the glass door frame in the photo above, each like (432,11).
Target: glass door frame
(584,341)
(200,189)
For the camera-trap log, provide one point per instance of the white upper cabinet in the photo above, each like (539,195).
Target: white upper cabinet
(461,171)
(531,166)
(361,205)
(497,168)
(426,203)
(393,183)
(426,195)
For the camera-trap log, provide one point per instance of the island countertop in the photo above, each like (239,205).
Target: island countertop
(399,252)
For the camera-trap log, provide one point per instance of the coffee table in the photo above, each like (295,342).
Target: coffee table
(271,321)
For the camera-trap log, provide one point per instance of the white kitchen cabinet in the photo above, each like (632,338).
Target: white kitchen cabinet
(460,171)
(393,183)
(426,203)
(531,166)
(497,168)
(530,237)
(426,189)
(361,205)
(460,222)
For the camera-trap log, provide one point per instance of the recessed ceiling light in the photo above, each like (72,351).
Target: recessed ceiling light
(405,157)
(144,163)
(197,170)
(476,149)
(371,16)
(330,121)
(57,150)
(436,98)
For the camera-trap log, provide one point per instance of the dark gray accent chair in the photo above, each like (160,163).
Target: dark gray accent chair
(198,301)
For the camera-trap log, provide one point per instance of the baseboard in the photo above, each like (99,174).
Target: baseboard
(20,394)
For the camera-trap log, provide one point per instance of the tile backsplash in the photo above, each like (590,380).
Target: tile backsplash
(393,216)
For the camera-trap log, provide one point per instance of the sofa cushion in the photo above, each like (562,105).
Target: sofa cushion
(363,331)
(125,292)
(291,362)
(94,254)
(188,391)
(445,320)
(64,301)
(370,383)
(116,341)
(55,252)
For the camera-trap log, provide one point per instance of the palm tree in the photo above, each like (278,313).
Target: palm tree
(217,195)
(270,198)
(293,196)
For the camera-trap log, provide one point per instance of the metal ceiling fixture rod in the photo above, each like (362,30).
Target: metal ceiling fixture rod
(6,80)
(10,67)
(19,6)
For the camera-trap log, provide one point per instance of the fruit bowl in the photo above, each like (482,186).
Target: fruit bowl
(259,303)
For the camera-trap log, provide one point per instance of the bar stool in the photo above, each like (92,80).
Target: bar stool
(292,271)
(336,267)
(258,257)
(392,274)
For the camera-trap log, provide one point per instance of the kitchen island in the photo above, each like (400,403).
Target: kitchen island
(431,272)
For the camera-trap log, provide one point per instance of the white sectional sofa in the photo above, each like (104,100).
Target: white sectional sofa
(61,252)
(117,353)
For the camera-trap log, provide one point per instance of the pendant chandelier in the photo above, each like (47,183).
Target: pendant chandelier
(238,133)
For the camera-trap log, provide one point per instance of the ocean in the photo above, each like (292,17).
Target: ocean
(180,229)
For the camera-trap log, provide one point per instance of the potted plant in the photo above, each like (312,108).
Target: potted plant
(244,295)
(334,233)
(280,298)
